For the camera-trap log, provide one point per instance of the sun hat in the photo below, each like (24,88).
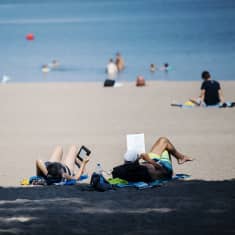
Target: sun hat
(131,155)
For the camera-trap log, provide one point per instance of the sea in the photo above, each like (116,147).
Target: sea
(189,35)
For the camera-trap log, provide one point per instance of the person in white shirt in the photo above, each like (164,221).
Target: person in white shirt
(111,69)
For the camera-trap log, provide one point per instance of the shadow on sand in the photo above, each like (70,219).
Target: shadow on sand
(180,207)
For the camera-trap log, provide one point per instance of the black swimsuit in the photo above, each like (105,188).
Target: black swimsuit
(64,167)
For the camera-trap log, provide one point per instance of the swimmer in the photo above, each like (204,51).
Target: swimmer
(55,64)
(166,67)
(152,68)
(45,68)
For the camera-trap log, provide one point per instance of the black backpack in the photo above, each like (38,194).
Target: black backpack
(109,82)
(133,172)
(99,183)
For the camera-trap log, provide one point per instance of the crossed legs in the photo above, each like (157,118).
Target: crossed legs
(163,144)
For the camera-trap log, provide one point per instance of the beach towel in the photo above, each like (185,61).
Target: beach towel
(120,183)
(38,180)
(189,104)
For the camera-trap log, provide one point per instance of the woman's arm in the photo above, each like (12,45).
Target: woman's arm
(82,168)
(40,168)
(80,172)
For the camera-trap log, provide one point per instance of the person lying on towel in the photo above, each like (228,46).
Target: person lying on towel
(60,168)
(150,166)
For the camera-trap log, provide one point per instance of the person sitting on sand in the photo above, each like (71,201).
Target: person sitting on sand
(158,160)
(58,169)
(211,93)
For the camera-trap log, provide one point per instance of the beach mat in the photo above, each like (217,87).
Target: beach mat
(38,180)
(119,183)
(189,104)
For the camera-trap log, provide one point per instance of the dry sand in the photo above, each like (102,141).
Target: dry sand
(36,117)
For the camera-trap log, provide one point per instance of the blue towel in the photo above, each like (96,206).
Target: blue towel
(144,185)
(38,180)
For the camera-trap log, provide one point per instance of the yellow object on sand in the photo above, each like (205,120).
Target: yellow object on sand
(189,103)
(24,182)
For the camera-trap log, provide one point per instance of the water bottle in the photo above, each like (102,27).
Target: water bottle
(98,169)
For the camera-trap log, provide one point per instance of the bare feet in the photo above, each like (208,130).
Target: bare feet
(184,159)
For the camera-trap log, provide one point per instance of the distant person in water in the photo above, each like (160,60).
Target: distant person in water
(211,93)
(55,64)
(45,68)
(166,67)
(152,68)
(119,62)
(111,69)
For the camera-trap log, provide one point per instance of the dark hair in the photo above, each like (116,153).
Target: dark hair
(55,170)
(205,75)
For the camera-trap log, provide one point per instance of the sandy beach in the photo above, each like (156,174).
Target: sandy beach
(36,117)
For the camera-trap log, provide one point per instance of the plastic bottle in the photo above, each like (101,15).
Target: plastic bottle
(98,169)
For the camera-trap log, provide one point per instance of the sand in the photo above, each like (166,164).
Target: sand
(37,117)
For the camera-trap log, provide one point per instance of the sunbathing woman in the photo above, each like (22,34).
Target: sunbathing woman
(60,168)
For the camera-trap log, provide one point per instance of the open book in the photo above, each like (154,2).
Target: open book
(136,142)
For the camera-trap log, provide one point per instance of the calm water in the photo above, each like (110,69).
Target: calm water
(191,35)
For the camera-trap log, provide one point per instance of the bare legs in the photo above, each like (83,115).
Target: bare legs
(69,159)
(56,154)
(163,144)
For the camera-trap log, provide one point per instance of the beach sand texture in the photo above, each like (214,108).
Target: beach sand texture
(36,117)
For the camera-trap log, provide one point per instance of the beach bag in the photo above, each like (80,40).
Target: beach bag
(132,172)
(99,183)
(109,83)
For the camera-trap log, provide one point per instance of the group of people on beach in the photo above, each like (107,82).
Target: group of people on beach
(59,168)
(157,164)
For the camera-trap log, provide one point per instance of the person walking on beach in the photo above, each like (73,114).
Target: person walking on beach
(111,69)
(211,92)
(119,62)
(60,168)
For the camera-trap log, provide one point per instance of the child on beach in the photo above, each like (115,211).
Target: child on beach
(58,168)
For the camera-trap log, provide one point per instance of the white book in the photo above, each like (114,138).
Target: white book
(136,142)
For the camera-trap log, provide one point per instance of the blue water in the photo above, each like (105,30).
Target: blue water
(191,35)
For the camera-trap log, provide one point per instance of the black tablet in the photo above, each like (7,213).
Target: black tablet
(83,152)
